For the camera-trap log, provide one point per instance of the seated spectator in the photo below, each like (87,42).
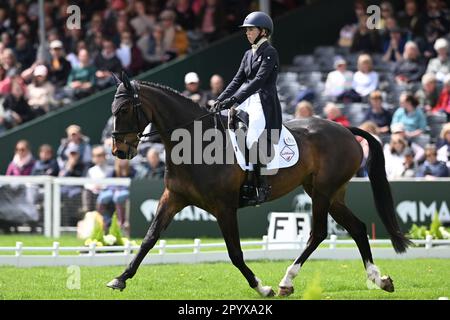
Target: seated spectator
(436,18)
(429,93)
(393,46)
(304,110)
(193,91)
(99,171)
(153,47)
(81,80)
(142,21)
(9,62)
(23,160)
(16,102)
(333,113)
(46,165)
(394,154)
(443,104)
(175,38)
(106,63)
(411,19)
(116,194)
(443,153)
(440,65)
(365,39)
(347,32)
(184,15)
(211,20)
(339,81)
(432,167)
(73,166)
(371,128)
(40,92)
(216,87)
(411,68)
(410,116)
(398,129)
(409,164)
(72,57)
(129,55)
(387,12)
(365,80)
(24,52)
(58,67)
(153,168)
(377,114)
(74,135)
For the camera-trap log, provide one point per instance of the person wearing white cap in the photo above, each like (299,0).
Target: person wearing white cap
(193,91)
(339,80)
(440,65)
(40,92)
(58,67)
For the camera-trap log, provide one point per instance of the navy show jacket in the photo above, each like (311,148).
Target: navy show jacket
(258,74)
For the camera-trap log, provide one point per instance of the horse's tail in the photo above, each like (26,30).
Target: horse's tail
(382,191)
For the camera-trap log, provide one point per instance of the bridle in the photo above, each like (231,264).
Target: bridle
(133,93)
(137,110)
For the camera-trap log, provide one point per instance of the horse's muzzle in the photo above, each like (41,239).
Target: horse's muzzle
(121,154)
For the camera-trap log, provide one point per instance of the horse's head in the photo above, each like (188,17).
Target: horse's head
(129,118)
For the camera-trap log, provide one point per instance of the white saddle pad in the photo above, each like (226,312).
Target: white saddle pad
(286,151)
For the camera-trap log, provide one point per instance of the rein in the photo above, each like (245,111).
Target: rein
(138,111)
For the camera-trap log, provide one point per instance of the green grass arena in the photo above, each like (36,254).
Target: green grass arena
(344,279)
(413,279)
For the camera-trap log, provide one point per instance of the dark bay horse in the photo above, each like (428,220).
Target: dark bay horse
(330,156)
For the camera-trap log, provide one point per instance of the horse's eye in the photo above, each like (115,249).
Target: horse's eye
(124,111)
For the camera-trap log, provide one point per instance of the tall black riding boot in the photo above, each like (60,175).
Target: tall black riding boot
(263,188)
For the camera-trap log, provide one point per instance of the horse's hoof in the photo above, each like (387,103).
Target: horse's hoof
(265,291)
(387,284)
(271,293)
(285,291)
(116,284)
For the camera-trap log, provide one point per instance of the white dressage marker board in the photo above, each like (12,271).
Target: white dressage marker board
(288,226)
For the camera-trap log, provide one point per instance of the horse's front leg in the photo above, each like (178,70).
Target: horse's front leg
(169,205)
(227,220)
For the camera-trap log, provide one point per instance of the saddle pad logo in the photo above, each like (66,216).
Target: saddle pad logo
(289,141)
(287,153)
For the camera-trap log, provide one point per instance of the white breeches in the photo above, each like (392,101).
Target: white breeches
(257,121)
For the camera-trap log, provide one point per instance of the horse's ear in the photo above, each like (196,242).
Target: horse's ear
(126,81)
(116,79)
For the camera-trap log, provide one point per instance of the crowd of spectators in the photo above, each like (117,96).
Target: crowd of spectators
(113,35)
(392,79)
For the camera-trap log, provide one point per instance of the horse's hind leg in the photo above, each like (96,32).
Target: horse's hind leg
(320,204)
(228,225)
(168,206)
(357,230)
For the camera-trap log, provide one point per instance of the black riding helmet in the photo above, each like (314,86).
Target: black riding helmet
(258,19)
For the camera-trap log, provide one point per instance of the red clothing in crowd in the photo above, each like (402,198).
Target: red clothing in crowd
(443,103)
(342,120)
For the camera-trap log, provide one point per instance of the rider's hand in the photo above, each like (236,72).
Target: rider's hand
(215,106)
(228,103)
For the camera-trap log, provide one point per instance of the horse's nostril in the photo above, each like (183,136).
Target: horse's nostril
(121,154)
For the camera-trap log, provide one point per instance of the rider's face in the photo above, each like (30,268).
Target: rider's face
(252,33)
